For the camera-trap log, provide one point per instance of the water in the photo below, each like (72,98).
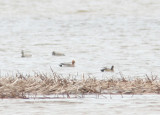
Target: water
(96,33)
(139,105)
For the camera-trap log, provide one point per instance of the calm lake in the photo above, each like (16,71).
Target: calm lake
(128,105)
(95,33)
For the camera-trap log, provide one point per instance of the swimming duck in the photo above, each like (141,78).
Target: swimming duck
(25,55)
(57,54)
(108,69)
(68,64)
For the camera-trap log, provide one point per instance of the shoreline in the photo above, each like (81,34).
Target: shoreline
(20,86)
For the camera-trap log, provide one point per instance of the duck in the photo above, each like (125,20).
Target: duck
(57,54)
(72,64)
(25,55)
(108,69)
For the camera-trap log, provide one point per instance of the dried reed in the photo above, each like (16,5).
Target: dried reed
(19,86)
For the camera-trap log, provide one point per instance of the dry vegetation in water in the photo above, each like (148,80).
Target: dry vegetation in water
(20,86)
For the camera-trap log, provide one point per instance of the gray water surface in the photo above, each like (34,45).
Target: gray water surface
(128,105)
(95,33)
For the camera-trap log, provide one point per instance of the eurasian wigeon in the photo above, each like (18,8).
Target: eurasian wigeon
(108,69)
(57,54)
(25,55)
(68,64)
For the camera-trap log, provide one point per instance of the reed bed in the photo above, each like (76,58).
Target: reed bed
(20,86)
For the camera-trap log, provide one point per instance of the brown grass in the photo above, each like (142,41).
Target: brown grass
(19,86)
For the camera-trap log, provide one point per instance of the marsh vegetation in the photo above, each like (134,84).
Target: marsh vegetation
(23,86)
